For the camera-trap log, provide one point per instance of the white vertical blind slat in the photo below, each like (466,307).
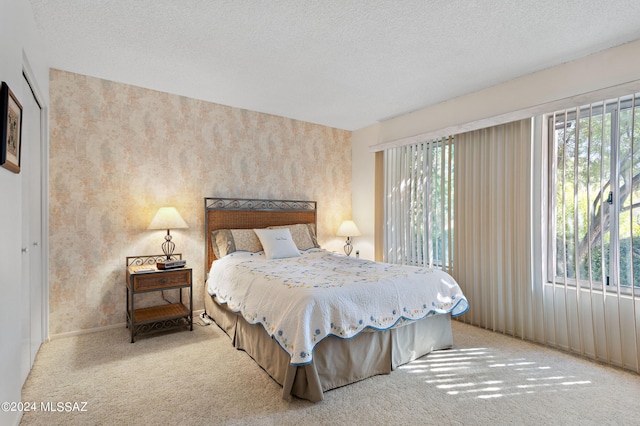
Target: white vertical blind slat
(554,254)
(602,206)
(576,237)
(589,233)
(450,205)
(633,283)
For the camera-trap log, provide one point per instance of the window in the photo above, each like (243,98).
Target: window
(419,204)
(595,194)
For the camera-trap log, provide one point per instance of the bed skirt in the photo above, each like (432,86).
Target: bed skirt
(336,362)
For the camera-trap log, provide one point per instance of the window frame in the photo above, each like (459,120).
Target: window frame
(559,119)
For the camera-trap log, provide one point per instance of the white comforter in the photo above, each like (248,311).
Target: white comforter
(301,300)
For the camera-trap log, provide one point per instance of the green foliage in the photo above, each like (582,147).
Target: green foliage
(586,142)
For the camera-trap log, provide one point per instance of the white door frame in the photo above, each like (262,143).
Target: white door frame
(44,143)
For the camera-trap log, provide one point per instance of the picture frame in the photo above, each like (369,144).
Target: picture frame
(10,129)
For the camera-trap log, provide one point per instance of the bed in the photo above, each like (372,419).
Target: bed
(308,339)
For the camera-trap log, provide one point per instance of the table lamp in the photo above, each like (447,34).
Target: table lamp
(348,229)
(168,218)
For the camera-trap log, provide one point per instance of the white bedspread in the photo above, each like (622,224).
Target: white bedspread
(301,300)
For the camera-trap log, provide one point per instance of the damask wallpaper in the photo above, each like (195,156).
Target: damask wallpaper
(119,152)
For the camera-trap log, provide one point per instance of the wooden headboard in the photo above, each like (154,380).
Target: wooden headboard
(246,213)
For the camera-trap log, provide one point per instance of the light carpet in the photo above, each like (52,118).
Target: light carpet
(198,378)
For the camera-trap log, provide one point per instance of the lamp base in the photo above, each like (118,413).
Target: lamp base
(348,248)
(168,246)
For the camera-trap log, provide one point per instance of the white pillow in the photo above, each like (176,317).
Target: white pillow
(303,235)
(277,243)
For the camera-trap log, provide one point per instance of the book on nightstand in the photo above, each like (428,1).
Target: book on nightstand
(171,264)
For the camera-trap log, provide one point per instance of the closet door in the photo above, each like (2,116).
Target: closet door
(32,238)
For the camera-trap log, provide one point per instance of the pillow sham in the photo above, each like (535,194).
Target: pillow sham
(226,241)
(277,243)
(304,235)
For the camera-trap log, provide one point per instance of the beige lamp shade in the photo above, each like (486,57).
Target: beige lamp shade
(168,218)
(348,229)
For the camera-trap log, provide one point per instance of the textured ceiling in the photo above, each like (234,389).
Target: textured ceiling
(341,63)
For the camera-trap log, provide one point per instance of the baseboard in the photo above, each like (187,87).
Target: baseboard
(196,314)
(86,331)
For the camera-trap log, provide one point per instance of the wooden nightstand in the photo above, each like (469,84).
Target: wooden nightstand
(144,277)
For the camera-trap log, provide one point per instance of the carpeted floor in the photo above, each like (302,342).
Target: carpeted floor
(198,378)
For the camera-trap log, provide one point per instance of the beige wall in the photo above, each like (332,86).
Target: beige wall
(118,153)
(364,197)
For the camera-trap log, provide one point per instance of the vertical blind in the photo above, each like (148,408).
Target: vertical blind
(568,275)
(593,274)
(464,205)
(418,208)
(493,226)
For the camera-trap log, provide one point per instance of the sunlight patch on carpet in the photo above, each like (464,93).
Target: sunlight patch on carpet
(486,373)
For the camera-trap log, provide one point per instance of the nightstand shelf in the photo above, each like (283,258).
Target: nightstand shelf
(162,312)
(144,277)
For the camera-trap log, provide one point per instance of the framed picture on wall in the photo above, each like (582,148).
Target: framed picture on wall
(10,129)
